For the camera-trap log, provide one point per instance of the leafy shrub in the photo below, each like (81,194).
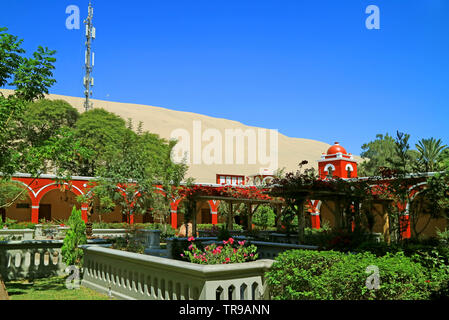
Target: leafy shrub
(128,243)
(167,230)
(443,236)
(76,236)
(330,275)
(178,248)
(400,278)
(264,217)
(296,273)
(229,252)
(223,233)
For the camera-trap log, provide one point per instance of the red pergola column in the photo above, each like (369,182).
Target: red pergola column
(314,214)
(84,208)
(34,211)
(404,221)
(174,213)
(214,210)
(404,224)
(315,220)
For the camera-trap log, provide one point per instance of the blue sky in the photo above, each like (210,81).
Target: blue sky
(310,69)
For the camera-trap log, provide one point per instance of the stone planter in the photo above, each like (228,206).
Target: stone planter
(151,240)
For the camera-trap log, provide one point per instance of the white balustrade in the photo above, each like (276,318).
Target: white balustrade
(33,258)
(127,275)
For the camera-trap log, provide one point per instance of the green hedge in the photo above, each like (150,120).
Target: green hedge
(331,275)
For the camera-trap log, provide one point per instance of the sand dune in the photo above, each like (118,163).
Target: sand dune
(163,121)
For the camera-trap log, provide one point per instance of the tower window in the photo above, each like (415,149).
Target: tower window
(349,170)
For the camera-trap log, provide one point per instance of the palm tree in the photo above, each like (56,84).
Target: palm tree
(429,152)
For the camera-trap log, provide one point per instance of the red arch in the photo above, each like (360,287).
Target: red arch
(45,190)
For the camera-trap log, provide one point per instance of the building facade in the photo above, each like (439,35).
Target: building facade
(50,200)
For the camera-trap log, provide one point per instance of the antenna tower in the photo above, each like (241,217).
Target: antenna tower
(89,59)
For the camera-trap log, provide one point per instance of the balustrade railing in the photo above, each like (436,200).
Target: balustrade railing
(33,259)
(127,275)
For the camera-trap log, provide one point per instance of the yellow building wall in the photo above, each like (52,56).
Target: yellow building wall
(326,214)
(21,215)
(61,203)
(429,227)
(111,217)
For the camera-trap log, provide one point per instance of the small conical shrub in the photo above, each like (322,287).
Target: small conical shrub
(76,236)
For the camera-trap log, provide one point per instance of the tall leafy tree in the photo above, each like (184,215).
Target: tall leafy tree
(402,161)
(31,77)
(383,153)
(76,236)
(101,132)
(169,177)
(429,153)
(375,154)
(132,169)
(443,160)
(44,118)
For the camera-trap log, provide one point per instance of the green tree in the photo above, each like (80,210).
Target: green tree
(169,176)
(76,236)
(132,169)
(383,153)
(10,191)
(443,160)
(101,132)
(375,154)
(430,151)
(264,217)
(44,119)
(31,77)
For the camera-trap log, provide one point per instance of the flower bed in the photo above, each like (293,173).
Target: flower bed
(229,252)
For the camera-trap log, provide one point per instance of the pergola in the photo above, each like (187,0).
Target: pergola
(250,203)
(350,194)
(251,196)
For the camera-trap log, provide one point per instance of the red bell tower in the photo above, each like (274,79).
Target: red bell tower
(337,163)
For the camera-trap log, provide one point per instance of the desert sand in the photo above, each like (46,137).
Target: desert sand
(162,121)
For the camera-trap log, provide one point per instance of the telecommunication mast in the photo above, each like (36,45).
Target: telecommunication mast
(89,59)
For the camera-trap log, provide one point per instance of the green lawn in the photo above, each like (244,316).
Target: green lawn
(49,289)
